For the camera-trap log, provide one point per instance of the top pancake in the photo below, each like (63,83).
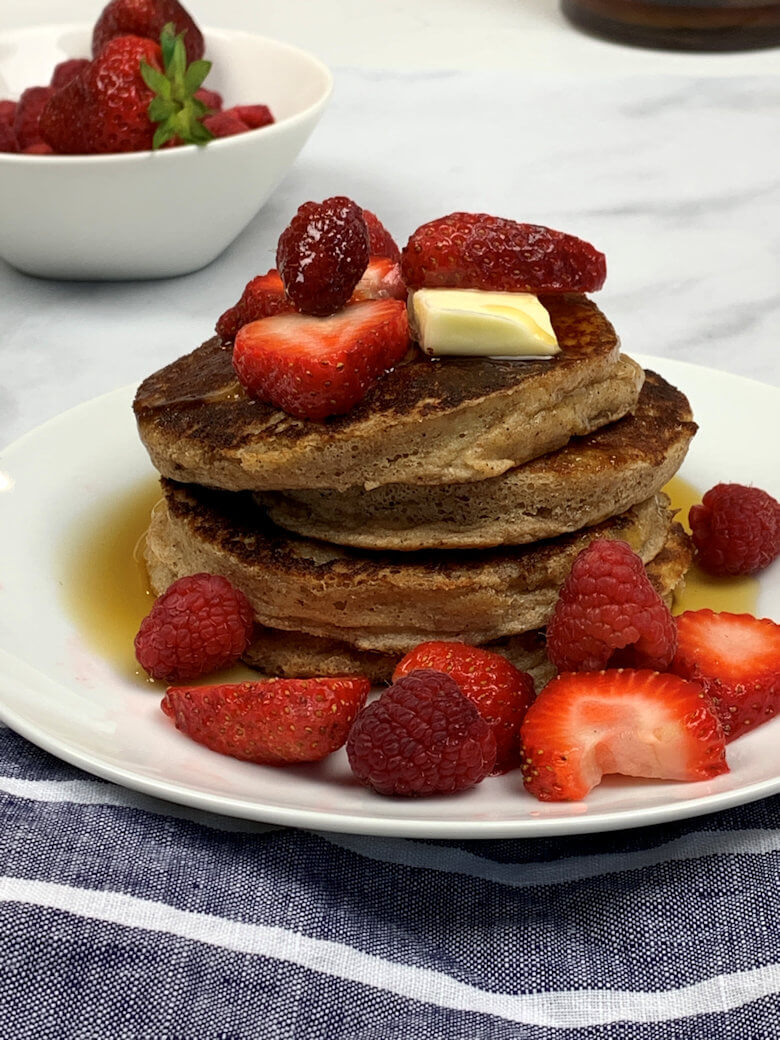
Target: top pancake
(426,422)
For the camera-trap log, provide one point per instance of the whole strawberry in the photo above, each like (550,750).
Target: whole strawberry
(270,722)
(134,96)
(146,18)
(199,624)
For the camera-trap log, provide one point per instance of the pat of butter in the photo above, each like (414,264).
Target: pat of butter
(482,324)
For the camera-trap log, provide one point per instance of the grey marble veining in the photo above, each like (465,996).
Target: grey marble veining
(676,179)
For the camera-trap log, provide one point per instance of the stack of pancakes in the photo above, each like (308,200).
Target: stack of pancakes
(449,504)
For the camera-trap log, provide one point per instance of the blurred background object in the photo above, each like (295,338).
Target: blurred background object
(713,25)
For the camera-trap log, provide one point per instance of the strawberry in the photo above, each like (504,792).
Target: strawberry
(272,721)
(224,124)
(381,280)
(262,297)
(113,104)
(736,659)
(28,114)
(584,725)
(146,18)
(380,241)
(253,116)
(500,692)
(477,251)
(314,367)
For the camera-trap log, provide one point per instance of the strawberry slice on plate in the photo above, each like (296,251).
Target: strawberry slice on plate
(584,725)
(736,659)
(313,367)
(500,692)
(271,721)
(263,296)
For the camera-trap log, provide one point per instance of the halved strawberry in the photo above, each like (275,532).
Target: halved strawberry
(500,692)
(380,241)
(584,725)
(262,297)
(314,367)
(272,721)
(381,280)
(736,659)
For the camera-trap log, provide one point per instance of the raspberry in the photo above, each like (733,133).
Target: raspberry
(607,604)
(380,241)
(225,124)
(198,625)
(28,114)
(321,255)
(7,135)
(422,736)
(66,71)
(736,529)
(477,251)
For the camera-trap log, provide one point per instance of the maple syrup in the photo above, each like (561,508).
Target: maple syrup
(106,589)
(693,25)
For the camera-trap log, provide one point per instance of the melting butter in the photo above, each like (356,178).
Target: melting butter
(481,324)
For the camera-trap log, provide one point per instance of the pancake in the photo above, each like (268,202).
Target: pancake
(299,654)
(386,602)
(581,484)
(428,422)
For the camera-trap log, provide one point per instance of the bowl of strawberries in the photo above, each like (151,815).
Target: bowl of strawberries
(141,146)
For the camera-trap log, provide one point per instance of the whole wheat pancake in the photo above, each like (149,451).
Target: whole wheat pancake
(427,421)
(299,654)
(387,602)
(589,479)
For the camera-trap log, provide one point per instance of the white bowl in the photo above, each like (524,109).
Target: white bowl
(152,214)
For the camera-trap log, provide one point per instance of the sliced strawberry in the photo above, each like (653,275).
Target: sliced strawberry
(478,251)
(262,297)
(584,725)
(736,659)
(381,280)
(500,692)
(272,721)
(315,367)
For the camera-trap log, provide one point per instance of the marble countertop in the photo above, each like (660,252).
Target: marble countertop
(666,162)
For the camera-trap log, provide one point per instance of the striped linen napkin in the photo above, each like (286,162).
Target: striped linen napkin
(124,917)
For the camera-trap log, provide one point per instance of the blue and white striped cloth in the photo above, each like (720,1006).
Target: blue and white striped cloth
(125,918)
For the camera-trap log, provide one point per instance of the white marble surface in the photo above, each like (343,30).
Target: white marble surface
(668,163)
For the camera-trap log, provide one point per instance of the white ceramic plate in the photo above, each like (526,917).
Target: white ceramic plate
(60,694)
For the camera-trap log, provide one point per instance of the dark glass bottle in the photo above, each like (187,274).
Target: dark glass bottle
(700,25)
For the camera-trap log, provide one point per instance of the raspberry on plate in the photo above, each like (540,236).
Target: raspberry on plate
(607,604)
(316,367)
(500,692)
(421,737)
(322,253)
(736,529)
(271,721)
(199,624)
(735,658)
(585,725)
(477,251)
